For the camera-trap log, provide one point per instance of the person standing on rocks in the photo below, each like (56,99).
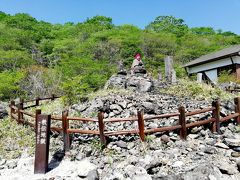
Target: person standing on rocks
(137,65)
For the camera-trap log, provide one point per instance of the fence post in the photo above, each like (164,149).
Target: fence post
(53,97)
(37,112)
(42,144)
(37,101)
(182,122)
(12,111)
(20,114)
(141,125)
(65,126)
(237,108)
(101,129)
(216,115)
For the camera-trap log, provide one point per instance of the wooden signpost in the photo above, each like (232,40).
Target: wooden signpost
(42,144)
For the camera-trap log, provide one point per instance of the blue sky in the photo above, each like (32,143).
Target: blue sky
(219,14)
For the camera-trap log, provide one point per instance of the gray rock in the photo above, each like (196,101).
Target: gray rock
(238,165)
(123,104)
(92,175)
(153,125)
(210,150)
(145,86)
(80,156)
(85,168)
(73,153)
(237,148)
(142,177)
(88,151)
(3,111)
(165,138)
(135,172)
(3,162)
(193,136)
(11,164)
(130,145)
(148,107)
(98,103)
(235,154)
(177,164)
(80,107)
(116,107)
(221,145)
(116,81)
(226,168)
(121,144)
(111,114)
(232,142)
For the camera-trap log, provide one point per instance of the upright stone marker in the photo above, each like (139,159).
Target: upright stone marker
(159,75)
(42,144)
(168,61)
(174,77)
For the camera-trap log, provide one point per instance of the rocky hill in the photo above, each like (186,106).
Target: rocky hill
(203,155)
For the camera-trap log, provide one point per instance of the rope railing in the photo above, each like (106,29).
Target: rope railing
(18,111)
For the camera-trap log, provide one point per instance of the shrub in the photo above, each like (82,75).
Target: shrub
(77,88)
(40,81)
(227,76)
(10,84)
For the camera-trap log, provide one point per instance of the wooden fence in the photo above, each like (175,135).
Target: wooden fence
(18,111)
(234,89)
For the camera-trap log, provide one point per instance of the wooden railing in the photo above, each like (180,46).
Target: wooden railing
(18,111)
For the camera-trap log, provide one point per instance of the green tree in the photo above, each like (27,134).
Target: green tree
(168,24)
(203,31)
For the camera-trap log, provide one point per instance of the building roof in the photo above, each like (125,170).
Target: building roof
(227,52)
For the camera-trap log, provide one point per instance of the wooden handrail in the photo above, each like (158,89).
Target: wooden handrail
(30,106)
(57,118)
(123,132)
(162,129)
(231,116)
(199,111)
(82,131)
(199,123)
(161,116)
(57,129)
(82,119)
(121,119)
(28,114)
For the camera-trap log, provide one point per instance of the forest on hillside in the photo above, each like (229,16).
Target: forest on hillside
(38,58)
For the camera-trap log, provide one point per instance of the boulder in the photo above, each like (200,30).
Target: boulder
(138,83)
(118,80)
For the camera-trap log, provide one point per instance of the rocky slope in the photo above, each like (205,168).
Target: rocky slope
(163,156)
(203,156)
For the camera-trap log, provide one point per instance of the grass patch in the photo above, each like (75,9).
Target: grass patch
(15,139)
(199,91)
